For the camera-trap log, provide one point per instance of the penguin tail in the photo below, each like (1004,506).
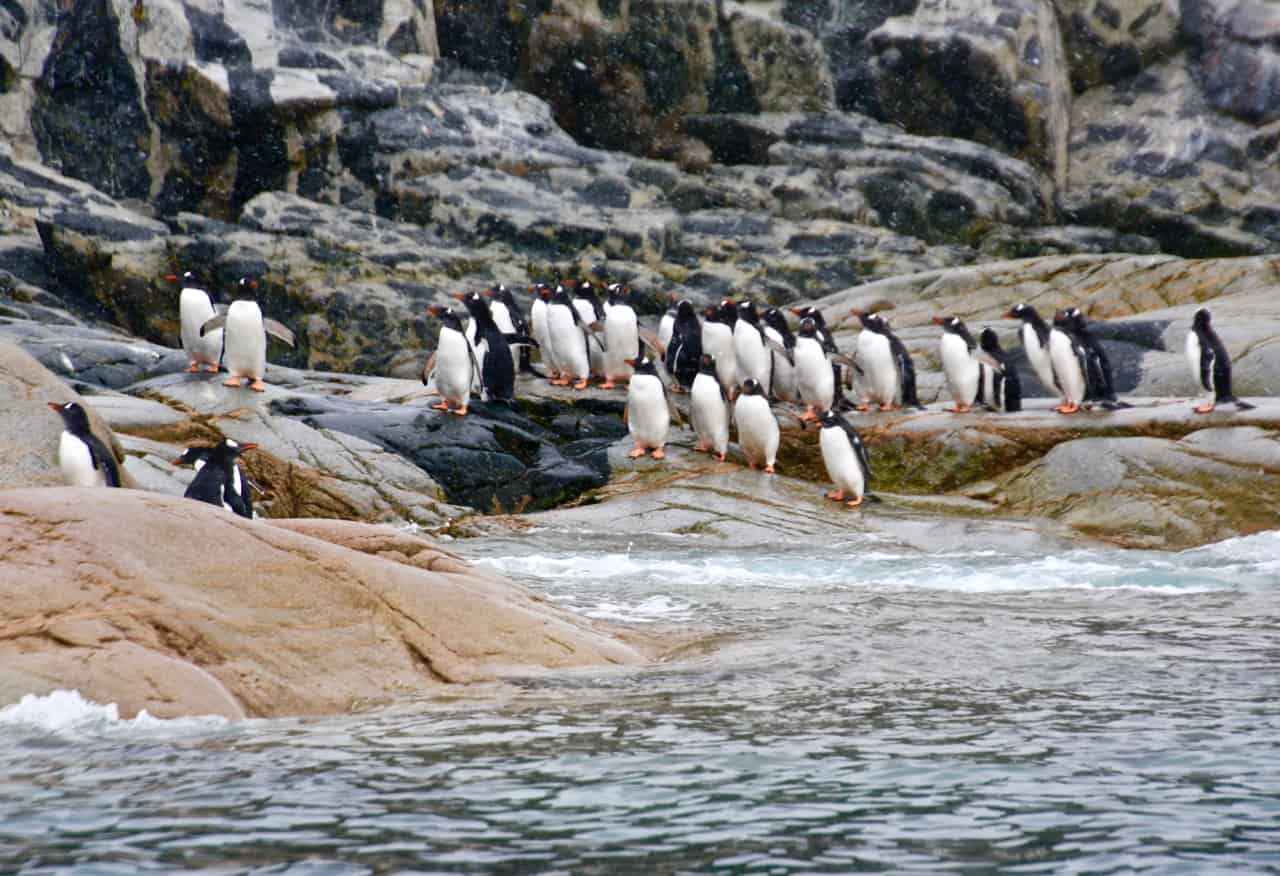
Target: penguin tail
(1114,405)
(528,368)
(1243,405)
(872,498)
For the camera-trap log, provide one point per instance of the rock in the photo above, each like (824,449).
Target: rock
(189,610)
(785,67)
(1238,61)
(1110,42)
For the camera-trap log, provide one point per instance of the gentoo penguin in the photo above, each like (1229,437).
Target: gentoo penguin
(684,352)
(217,483)
(1001,388)
(493,350)
(667,324)
(85,461)
(648,417)
(194,310)
(244,339)
(508,317)
(197,457)
(591,316)
(454,362)
(815,380)
(750,348)
(845,457)
(890,373)
(568,339)
(717,342)
(1068,359)
(962,370)
(709,411)
(1099,385)
(538,327)
(1035,342)
(621,336)
(758,432)
(1210,363)
(782,346)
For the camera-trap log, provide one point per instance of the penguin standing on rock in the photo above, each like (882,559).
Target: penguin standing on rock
(511,321)
(782,345)
(709,411)
(217,481)
(1099,385)
(1210,363)
(454,365)
(1001,388)
(197,457)
(1034,334)
(538,328)
(1069,364)
(244,338)
(758,432)
(815,379)
(568,339)
(667,324)
(591,317)
(750,348)
(621,336)
(684,353)
(717,342)
(845,458)
(194,310)
(962,370)
(890,372)
(648,416)
(493,350)
(84,459)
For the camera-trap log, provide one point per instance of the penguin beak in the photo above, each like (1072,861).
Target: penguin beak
(458,296)
(171,276)
(857,312)
(938,320)
(488,293)
(435,310)
(633,362)
(54,406)
(244,447)
(795,311)
(1008,314)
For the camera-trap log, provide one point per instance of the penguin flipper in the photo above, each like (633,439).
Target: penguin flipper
(213,324)
(103,458)
(278,330)
(429,370)
(907,371)
(859,450)
(1207,368)
(520,340)
(650,340)
(232,498)
(1242,405)
(782,349)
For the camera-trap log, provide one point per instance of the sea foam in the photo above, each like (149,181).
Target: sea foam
(66,712)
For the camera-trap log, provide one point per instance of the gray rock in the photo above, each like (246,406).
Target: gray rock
(1109,42)
(1238,60)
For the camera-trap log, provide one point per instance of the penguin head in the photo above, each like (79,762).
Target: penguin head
(642,364)
(618,294)
(829,419)
(246,289)
(586,292)
(560,295)
(751,386)
(988,340)
(1201,320)
(1061,318)
(227,451)
(808,328)
(1024,312)
(775,319)
(747,312)
(74,417)
(953,325)
(192,455)
(872,321)
(446,316)
(475,303)
(728,311)
(685,311)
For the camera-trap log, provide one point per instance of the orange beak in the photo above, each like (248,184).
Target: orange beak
(248,447)
(938,320)
(1008,315)
(632,362)
(857,312)
(171,276)
(458,296)
(435,310)
(54,405)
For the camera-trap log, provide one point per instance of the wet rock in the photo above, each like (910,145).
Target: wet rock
(1111,41)
(1237,59)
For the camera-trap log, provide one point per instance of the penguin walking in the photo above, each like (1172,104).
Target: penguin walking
(684,352)
(198,457)
(568,339)
(648,416)
(244,338)
(1099,385)
(845,457)
(493,350)
(217,480)
(621,336)
(454,363)
(750,348)
(709,410)
(194,310)
(1210,363)
(758,432)
(508,317)
(717,342)
(1068,359)
(84,459)
(890,372)
(782,344)
(591,317)
(1001,388)
(538,328)
(962,370)
(1034,334)
(815,379)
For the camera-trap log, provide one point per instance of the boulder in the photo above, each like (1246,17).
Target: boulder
(1110,42)
(1237,58)
(189,610)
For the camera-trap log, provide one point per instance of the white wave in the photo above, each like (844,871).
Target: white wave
(1261,550)
(66,712)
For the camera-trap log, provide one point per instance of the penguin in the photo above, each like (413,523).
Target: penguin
(709,410)
(194,310)
(493,350)
(684,353)
(782,345)
(717,342)
(568,339)
(244,339)
(1068,360)
(648,417)
(750,348)
(1002,390)
(591,316)
(538,328)
(843,377)
(667,324)
(962,370)
(1210,363)
(845,457)
(509,318)
(85,461)
(890,373)
(815,380)
(1099,385)
(455,362)
(216,481)
(1035,342)
(197,457)
(621,336)
(758,432)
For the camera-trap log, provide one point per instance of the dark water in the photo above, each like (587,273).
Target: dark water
(868,709)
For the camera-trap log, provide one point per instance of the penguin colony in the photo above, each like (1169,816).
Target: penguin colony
(734,363)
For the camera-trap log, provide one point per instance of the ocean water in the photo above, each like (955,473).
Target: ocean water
(855,706)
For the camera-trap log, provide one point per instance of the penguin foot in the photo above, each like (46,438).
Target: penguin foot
(1243,406)
(854,503)
(888,407)
(443,406)
(1067,409)
(636,454)
(581,384)
(559,381)
(608,384)
(768,469)
(700,448)
(659,453)
(863,408)
(194,367)
(232,381)
(959,409)
(258,386)
(211,368)
(836,496)
(461,412)
(678,389)
(719,457)
(808,415)
(1203,409)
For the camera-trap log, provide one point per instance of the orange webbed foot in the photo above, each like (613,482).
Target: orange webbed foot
(659,454)
(719,457)
(862,407)
(443,406)
(232,381)
(958,409)
(258,386)
(212,369)
(1067,409)
(581,384)
(768,469)
(608,384)
(854,503)
(461,412)
(808,415)
(888,407)
(193,367)
(836,496)
(1203,409)
(636,454)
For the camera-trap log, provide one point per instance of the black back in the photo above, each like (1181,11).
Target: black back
(76,421)
(1007,385)
(684,352)
(498,370)
(906,367)
(215,482)
(829,419)
(1097,368)
(1215,362)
